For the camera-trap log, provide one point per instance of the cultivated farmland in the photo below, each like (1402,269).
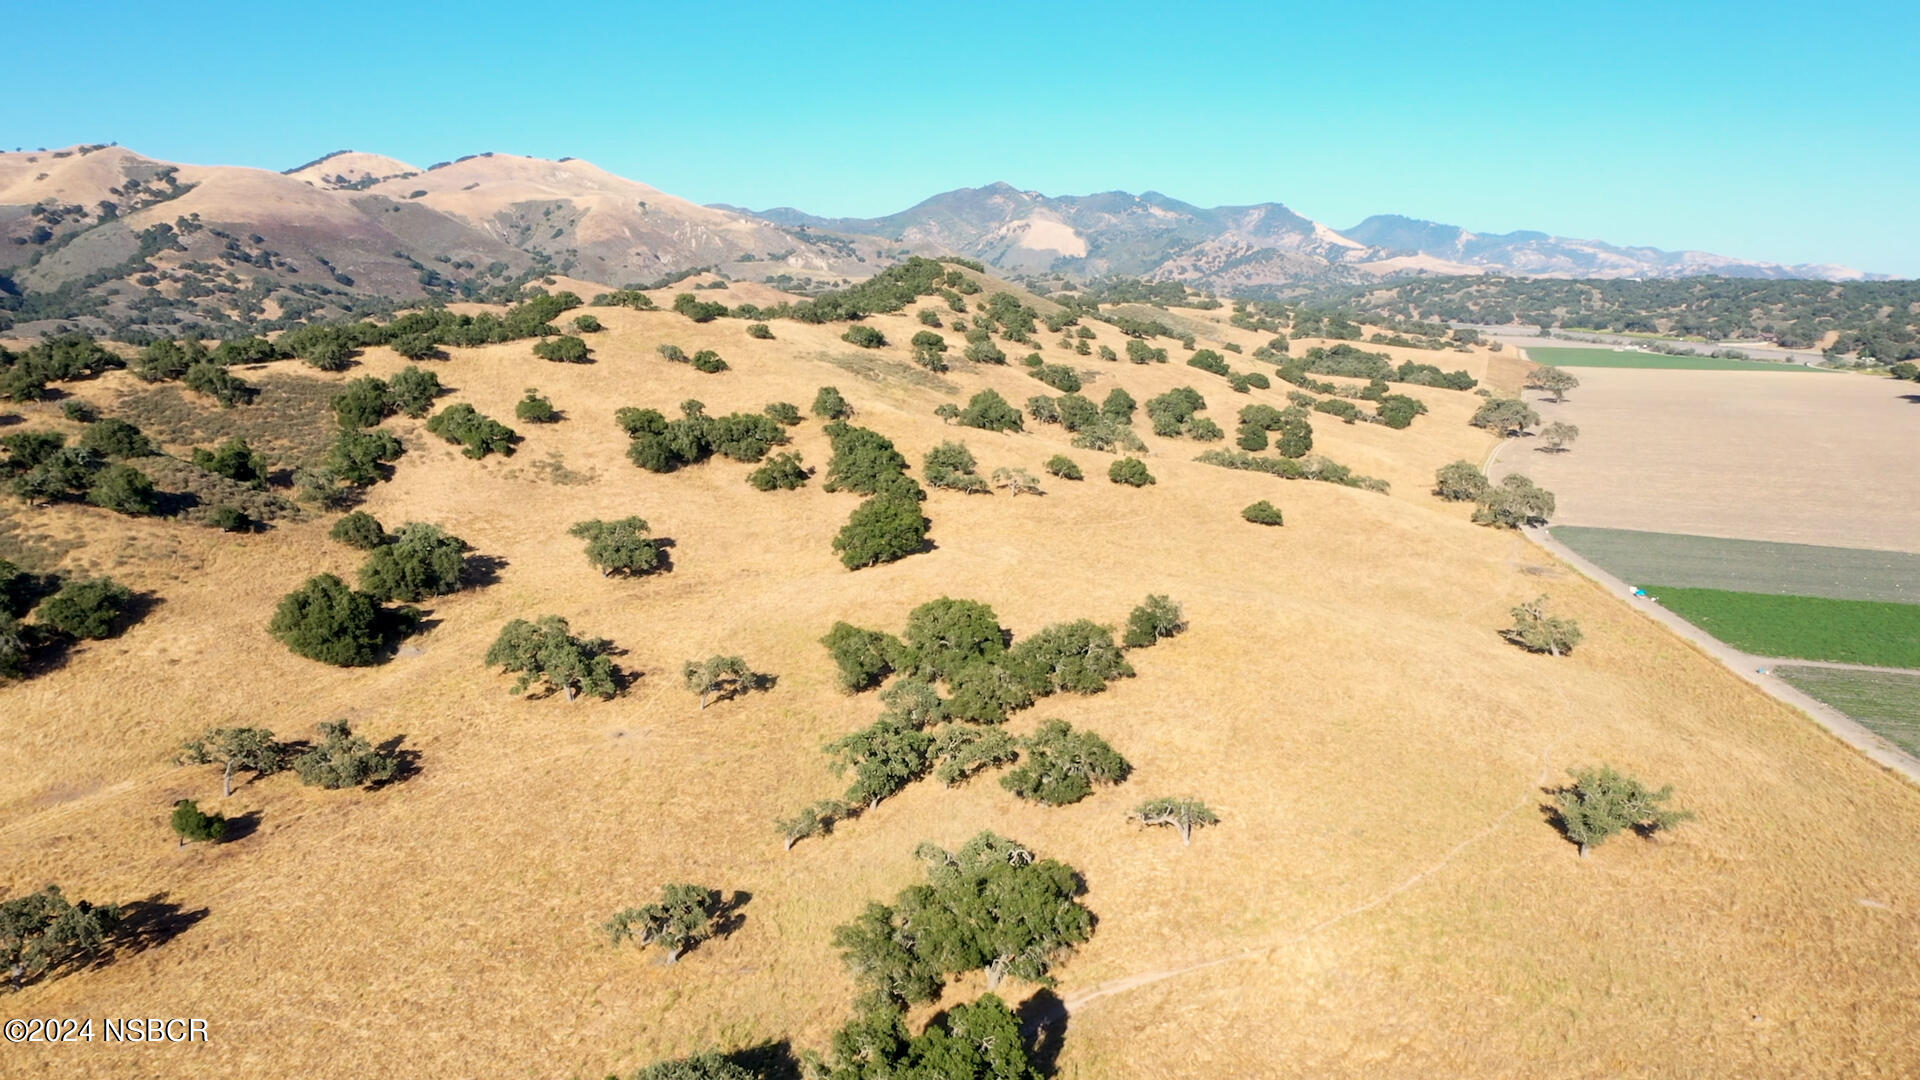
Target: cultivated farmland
(1887,702)
(1778,456)
(1802,627)
(1712,562)
(1573,356)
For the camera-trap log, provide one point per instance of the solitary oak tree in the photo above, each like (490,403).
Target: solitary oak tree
(1601,802)
(619,546)
(546,651)
(1182,814)
(1553,380)
(1536,631)
(680,920)
(720,677)
(254,750)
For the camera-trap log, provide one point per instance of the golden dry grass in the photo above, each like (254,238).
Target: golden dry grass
(1396,903)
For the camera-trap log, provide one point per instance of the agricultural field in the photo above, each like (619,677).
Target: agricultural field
(1887,702)
(1574,356)
(1756,566)
(1382,897)
(1802,627)
(1749,455)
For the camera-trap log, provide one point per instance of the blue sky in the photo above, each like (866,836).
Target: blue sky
(1761,130)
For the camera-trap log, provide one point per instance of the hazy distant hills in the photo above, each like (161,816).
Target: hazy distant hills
(102,237)
(1228,247)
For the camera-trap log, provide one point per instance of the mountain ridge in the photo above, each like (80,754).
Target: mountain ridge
(1258,244)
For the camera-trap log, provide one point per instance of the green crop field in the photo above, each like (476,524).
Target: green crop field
(1712,562)
(1886,702)
(1802,627)
(1563,356)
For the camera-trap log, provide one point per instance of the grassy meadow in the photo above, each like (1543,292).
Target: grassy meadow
(1383,898)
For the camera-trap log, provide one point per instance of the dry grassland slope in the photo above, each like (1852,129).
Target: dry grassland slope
(1394,903)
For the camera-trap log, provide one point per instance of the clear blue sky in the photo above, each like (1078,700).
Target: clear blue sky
(1788,132)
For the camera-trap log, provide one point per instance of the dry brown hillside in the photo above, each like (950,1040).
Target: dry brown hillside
(1384,897)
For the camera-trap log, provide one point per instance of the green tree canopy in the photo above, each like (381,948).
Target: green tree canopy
(420,560)
(1185,815)
(254,750)
(1600,803)
(326,621)
(1062,765)
(619,547)
(90,609)
(681,919)
(547,652)
(1157,617)
(342,759)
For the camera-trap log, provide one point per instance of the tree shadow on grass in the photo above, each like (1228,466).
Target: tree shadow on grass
(147,924)
(241,826)
(406,763)
(479,571)
(727,915)
(1043,1023)
(769,1061)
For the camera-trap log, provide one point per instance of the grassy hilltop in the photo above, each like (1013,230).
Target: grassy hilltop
(1382,897)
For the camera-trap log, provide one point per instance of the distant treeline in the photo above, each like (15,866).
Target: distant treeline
(1875,320)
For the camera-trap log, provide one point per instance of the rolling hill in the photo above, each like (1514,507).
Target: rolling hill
(1384,896)
(101,238)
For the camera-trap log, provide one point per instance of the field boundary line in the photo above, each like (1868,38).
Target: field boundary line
(1750,668)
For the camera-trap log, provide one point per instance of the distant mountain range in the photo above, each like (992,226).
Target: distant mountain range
(1228,247)
(102,237)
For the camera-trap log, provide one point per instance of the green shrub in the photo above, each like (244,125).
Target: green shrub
(411,391)
(1263,513)
(1157,617)
(326,621)
(360,530)
(192,824)
(124,490)
(417,561)
(113,438)
(698,310)
(565,349)
(829,405)
(882,529)
(864,336)
(989,411)
(1131,472)
(708,362)
(228,518)
(760,331)
(784,413)
(1514,502)
(217,383)
(862,657)
(951,465)
(478,433)
(535,409)
(235,460)
(587,324)
(90,610)
(782,472)
(1064,467)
